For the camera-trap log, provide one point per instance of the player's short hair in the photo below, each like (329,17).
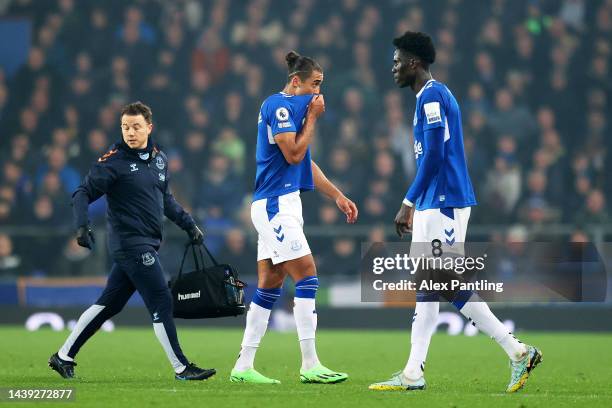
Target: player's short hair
(300,65)
(138,108)
(418,44)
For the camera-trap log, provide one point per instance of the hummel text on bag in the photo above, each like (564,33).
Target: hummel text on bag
(187,296)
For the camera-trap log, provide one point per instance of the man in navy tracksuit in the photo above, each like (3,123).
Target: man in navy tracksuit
(134,177)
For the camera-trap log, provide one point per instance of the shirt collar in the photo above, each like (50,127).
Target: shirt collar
(424,86)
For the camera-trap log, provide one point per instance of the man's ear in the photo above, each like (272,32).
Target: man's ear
(295,81)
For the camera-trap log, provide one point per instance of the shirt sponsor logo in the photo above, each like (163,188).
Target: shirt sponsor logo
(432,112)
(159,162)
(143,156)
(282,114)
(282,125)
(187,296)
(418,149)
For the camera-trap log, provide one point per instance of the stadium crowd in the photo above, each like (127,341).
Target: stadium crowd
(532,79)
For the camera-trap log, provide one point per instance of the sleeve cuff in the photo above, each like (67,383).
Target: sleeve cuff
(408,202)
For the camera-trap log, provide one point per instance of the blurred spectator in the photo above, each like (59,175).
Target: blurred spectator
(503,187)
(220,194)
(510,119)
(344,258)
(239,252)
(10,263)
(594,211)
(56,162)
(534,207)
(228,144)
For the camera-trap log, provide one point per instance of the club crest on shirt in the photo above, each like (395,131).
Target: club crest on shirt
(159,162)
(148,259)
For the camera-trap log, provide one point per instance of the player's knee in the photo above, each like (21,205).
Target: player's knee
(266,297)
(307,287)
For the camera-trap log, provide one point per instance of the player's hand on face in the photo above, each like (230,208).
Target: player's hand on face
(348,208)
(85,237)
(316,107)
(403,220)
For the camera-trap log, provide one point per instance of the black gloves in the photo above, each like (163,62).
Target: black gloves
(196,235)
(85,237)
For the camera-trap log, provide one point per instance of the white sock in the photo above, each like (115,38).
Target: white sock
(256,325)
(423,326)
(486,322)
(305,316)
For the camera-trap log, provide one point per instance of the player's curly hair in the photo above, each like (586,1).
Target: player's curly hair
(300,65)
(418,44)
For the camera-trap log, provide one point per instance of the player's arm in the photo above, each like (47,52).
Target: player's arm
(323,184)
(177,214)
(433,157)
(294,145)
(97,183)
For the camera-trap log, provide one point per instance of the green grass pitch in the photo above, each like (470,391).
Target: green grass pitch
(128,368)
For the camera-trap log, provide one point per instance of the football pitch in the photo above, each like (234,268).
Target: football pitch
(128,368)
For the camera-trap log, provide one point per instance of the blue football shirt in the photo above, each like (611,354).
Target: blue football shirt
(280,113)
(449,184)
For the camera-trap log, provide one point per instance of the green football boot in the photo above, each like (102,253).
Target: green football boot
(521,369)
(251,376)
(320,374)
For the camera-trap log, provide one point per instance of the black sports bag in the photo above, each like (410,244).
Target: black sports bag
(205,292)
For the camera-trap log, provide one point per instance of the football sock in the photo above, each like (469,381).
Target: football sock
(424,324)
(256,325)
(305,315)
(485,321)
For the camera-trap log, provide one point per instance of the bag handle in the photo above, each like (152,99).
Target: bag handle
(212,258)
(195,257)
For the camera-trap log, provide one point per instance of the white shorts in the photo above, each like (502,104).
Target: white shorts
(448,225)
(279,223)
